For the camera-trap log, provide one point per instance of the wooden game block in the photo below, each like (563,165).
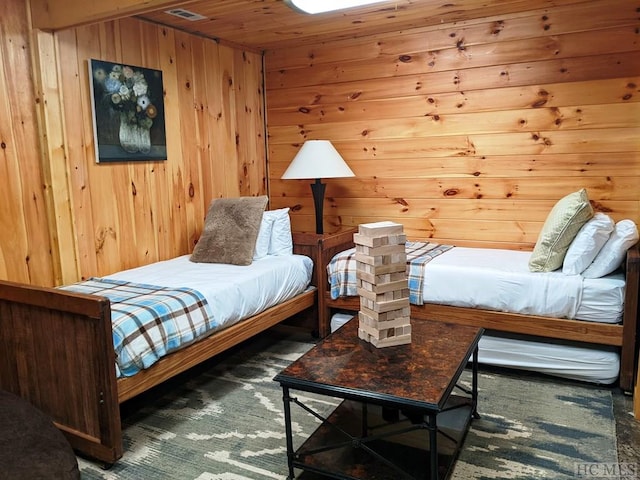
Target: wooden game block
(374,333)
(400,257)
(363,335)
(381,287)
(373,323)
(384,296)
(391,341)
(379,241)
(380,251)
(377,260)
(379,229)
(386,316)
(370,241)
(385,338)
(384,306)
(404,293)
(367,277)
(380,279)
(390,286)
(394,277)
(380,269)
(376,297)
(360,283)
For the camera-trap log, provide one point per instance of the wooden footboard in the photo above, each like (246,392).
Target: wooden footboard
(620,335)
(56,351)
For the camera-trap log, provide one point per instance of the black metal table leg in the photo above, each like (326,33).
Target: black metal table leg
(474,385)
(365,426)
(433,447)
(286,398)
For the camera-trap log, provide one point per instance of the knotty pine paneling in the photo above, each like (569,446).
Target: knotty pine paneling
(466,132)
(62,216)
(273,25)
(147,211)
(25,248)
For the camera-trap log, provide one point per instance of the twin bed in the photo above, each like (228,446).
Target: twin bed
(63,350)
(563,325)
(78,380)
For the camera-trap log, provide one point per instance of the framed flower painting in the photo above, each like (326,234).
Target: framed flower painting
(128,112)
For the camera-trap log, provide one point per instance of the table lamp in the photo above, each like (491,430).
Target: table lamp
(317,159)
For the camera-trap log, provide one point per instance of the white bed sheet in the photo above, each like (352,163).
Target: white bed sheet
(500,279)
(592,365)
(233,292)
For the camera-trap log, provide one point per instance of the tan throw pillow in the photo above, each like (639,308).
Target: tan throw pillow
(230,231)
(564,221)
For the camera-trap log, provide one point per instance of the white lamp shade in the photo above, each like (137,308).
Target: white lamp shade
(317,159)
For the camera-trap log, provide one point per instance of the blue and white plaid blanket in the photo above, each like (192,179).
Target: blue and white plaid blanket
(149,321)
(341,270)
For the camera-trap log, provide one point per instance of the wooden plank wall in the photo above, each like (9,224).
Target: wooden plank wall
(136,213)
(25,253)
(466,133)
(108,217)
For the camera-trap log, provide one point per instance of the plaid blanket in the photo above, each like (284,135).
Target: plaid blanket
(149,321)
(341,270)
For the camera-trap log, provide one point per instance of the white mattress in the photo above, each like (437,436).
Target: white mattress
(500,280)
(601,365)
(233,292)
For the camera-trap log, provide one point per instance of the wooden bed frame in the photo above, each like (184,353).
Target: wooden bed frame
(72,377)
(619,335)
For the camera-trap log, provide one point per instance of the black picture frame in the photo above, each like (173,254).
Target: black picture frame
(128,112)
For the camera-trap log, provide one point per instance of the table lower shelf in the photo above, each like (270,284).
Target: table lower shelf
(342,452)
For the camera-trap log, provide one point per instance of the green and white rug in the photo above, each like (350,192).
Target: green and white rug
(226,422)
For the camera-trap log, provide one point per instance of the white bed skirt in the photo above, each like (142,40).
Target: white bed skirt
(594,365)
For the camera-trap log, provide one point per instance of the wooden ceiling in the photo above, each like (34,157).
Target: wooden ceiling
(272,24)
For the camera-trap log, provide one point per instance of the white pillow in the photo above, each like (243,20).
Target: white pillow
(264,237)
(281,241)
(612,254)
(588,242)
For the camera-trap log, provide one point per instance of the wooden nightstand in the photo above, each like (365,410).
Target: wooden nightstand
(321,247)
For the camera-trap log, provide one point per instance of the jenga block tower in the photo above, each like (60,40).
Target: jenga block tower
(381,273)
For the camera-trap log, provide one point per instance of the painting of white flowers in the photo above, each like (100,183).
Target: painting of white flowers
(128,112)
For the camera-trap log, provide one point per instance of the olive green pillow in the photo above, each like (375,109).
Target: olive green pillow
(564,221)
(230,231)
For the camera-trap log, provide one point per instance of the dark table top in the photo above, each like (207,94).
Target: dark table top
(420,374)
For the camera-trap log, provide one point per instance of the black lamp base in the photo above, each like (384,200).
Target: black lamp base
(317,189)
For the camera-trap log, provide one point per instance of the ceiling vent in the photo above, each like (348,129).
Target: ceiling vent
(186,14)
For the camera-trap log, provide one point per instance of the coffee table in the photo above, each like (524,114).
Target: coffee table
(399,417)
